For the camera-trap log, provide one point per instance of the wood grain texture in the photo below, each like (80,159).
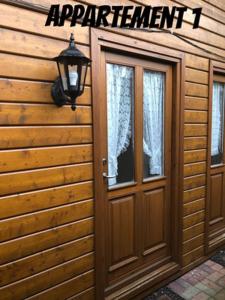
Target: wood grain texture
(192,207)
(194,181)
(193,256)
(35,136)
(22,67)
(196,76)
(191,130)
(193,219)
(195,143)
(194,103)
(31,244)
(194,156)
(194,169)
(14,90)
(194,194)
(52,197)
(44,260)
(23,159)
(36,114)
(67,288)
(193,231)
(47,279)
(197,90)
(88,294)
(11,183)
(193,243)
(51,218)
(33,45)
(32,22)
(191,116)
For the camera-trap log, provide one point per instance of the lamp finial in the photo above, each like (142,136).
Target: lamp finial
(72,41)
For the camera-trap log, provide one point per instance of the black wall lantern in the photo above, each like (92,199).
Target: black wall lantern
(72,66)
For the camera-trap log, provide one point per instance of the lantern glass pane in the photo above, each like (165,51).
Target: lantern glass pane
(63,76)
(83,75)
(73,77)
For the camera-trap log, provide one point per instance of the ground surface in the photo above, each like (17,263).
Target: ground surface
(204,282)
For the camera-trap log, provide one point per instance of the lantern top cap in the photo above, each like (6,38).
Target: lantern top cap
(72,53)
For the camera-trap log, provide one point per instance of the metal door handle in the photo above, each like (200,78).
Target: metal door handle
(107,176)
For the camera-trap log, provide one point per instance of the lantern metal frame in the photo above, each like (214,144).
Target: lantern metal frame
(71,56)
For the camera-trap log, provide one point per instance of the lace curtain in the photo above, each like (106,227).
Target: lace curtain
(217,118)
(153,120)
(119,104)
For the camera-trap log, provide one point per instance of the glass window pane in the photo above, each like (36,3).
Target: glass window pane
(153,123)
(120,116)
(217,123)
(63,76)
(73,76)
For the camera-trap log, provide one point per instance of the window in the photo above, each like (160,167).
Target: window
(136,121)
(153,137)
(120,94)
(217,140)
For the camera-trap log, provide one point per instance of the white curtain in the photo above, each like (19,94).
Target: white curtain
(119,106)
(153,140)
(217,118)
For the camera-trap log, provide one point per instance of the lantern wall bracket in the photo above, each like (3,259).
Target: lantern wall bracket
(58,94)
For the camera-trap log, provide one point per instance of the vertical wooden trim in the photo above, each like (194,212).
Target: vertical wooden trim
(98,193)
(207,207)
(180,155)
(138,125)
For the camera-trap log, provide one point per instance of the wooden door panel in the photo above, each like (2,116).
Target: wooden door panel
(154,220)
(216,198)
(122,235)
(216,212)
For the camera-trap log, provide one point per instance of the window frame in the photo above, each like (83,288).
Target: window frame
(140,65)
(218,77)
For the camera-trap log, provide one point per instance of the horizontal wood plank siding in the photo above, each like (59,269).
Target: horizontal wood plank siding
(46,169)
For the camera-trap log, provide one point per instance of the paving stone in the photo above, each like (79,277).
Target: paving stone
(190,293)
(220,295)
(221,282)
(192,281)
(187,276)
(183,282)
(207,269)
(215,276)
(203,287)
(222,271)
(176,287)
(201,296)
(216,267)
(212,285)
(209,263)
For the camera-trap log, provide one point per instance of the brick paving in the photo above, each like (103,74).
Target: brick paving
(207,281)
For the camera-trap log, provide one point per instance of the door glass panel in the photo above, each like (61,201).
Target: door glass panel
(217,123)
(120,116)
(153,123)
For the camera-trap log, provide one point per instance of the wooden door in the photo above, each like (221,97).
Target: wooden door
(135,177)
(217,162)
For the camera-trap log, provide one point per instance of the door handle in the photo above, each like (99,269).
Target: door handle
(107,176)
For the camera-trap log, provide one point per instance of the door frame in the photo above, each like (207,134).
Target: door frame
(211,244)
(114,40)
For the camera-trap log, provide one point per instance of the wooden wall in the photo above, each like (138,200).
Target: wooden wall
(46,176)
